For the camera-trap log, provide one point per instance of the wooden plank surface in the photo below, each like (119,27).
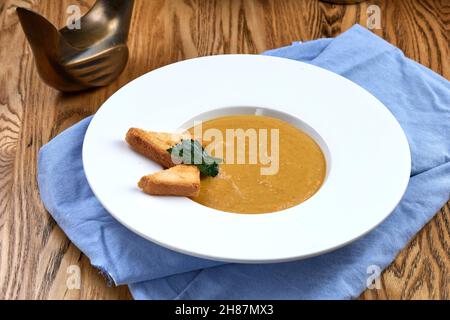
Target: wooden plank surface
(34,252)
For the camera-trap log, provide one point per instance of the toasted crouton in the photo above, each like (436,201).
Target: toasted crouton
(181,180)
(154,145)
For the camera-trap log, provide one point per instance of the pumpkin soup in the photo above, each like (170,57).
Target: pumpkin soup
(282,169)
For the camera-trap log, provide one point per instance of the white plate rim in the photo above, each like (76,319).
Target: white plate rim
(270,258)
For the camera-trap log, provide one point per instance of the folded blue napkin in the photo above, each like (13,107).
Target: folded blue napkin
(419,99)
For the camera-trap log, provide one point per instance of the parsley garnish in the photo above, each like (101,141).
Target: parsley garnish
(192,152)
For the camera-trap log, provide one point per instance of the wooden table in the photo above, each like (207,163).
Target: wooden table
(35,253)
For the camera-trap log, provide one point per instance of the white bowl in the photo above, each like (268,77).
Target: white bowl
(368,157)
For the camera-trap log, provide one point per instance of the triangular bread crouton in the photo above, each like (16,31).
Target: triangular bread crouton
(181,180)
(154,145)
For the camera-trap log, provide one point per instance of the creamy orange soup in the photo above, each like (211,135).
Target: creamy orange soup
(242,188)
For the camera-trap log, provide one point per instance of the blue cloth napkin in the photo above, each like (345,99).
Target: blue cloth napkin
(419,99)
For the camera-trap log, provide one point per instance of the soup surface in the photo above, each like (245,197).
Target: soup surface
(294,174)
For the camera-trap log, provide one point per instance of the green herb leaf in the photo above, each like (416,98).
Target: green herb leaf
(192,152)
